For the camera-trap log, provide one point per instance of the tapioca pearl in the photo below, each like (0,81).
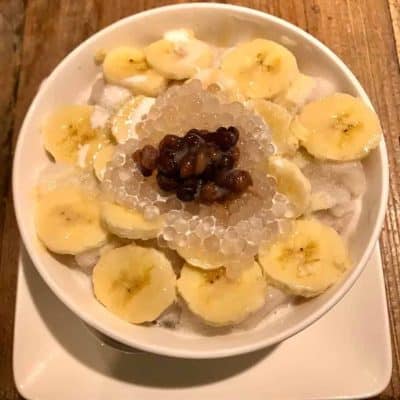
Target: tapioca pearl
(193,222)
(173,203)
(202,231)
(254,235)
(280,198)
(251,248)
(211,243)
(181,240)
(279,209)
(192,240)
(172,215)
(236,108)
(272,228)
(240,245)
(169,233)
(124,175)
(119,159)
(180,225)
(151,212)
(228,246)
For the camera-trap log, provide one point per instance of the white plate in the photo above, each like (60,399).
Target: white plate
(346,354)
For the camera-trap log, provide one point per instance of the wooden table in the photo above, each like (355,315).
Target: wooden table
(36,34)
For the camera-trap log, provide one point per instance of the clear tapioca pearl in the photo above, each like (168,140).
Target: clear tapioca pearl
(181,240)
(202,231)
(181,225)
(169,234)
(211,243)
(151,212)
(119,159)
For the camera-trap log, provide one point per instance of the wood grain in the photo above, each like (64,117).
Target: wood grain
(11,33)
(35,35)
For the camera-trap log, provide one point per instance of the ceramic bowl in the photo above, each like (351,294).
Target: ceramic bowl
(70,81)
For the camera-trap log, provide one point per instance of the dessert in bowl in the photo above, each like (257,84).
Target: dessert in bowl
(198,182)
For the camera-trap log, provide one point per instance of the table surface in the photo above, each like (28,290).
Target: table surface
(36,34)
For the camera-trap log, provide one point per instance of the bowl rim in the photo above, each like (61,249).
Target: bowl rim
(238,349)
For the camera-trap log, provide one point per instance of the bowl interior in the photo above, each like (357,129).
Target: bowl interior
(70,82)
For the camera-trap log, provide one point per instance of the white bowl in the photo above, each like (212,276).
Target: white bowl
(223,25)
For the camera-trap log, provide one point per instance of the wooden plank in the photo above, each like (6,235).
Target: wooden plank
(394,7)
(11,32)
(361,34)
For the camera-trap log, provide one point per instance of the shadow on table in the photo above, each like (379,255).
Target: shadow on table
(139,368)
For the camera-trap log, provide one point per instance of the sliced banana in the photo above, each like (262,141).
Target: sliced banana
(291,182)
(262,68)
(135,283)
(298,93)
(129,223)
(125,120)
(280,122)
(127,66)
(67,130)
(179,56)
(339,127)
(68,220)
(307,260)
(100,160)
(219,300)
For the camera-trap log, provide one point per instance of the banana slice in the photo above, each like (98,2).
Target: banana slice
(307,260)
(262,68)
(67,130)
(339,127)
(291,182)
(125,120)
(298,93)
(68,220)
(279,120)
(219,300)
(179,56)
(127,66)
(135,283)
(129,223)
(100,160)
